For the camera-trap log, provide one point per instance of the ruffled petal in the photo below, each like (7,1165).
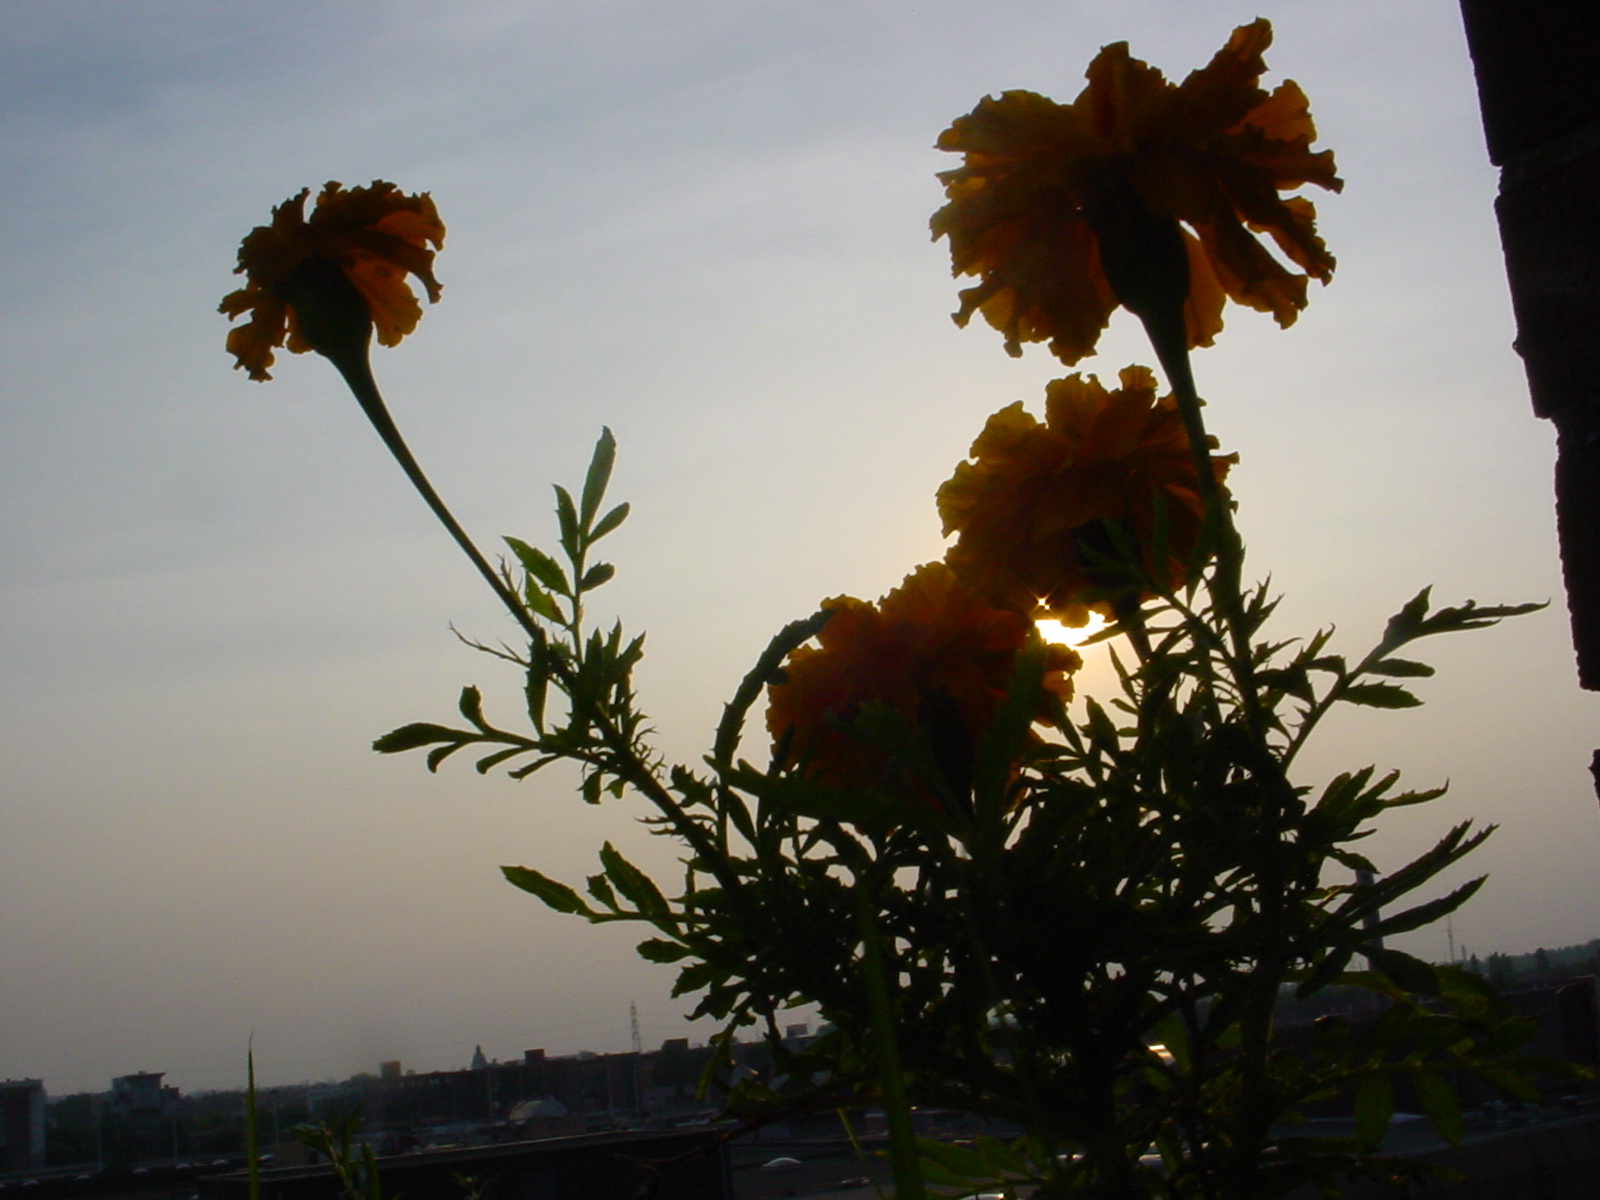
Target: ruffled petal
(1215,154)
(377,235)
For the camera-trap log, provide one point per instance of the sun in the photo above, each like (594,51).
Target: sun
(1052,630)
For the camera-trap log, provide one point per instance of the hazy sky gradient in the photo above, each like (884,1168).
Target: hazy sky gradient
(703,223)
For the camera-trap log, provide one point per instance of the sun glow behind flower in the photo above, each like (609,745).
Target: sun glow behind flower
(1057,633)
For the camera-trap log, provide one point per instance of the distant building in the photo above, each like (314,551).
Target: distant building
(141,1096)
(21,1125)
(145,1117)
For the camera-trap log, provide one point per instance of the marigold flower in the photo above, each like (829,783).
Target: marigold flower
(375,236)
(1033,509)
(1043,184)
(929,650)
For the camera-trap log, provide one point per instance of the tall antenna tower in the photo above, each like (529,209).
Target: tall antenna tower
(638,1060)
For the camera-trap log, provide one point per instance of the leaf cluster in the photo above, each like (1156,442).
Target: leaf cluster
(1083,932)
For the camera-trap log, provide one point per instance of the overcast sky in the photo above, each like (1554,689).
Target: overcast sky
(703,223)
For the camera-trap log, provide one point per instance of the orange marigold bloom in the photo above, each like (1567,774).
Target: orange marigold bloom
(1213,153)
(375,235)
(1039,495)
(929,650)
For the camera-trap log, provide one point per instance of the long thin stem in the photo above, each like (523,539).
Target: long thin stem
(357,374)
(1166,330)
(886,1050)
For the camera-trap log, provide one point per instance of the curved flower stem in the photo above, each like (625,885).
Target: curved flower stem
(357,374)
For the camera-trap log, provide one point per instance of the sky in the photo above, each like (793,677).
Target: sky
(704,225)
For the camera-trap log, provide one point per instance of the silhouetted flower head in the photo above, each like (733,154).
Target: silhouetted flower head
(1059,208)
(326,282)
(929,650)
(1034,508)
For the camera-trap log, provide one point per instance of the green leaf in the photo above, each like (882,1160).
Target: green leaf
(536,689)
(567,519)
(633,883)
(696,976)
(1173,1037)
(1374,1107)
(599,475)
(471,706)
(414,737)
(1406,972)
(610,521)
(965,1162)
(660,951)
(555,895)
(1401,668)
(1379,695)
(437,756)
(1439,1104)
(595,576)
(540,565)
(1292,681)
(540,602)
(1472,615)
(1403,626)
(1010,731)
(490,761)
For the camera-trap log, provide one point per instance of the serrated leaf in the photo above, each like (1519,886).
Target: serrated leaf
(1473,615)
(567,520)
(555,895)
(1406,623)
(1374,1107)
(1292,681)
(696,976)
(967,1164)
(610,521)
(1406,972)
(471,706)
(661,951)
(1401,668)
(1379,695)
(540,565)
(633,883)
(414,737)
(595,576)
(598,475)
(1439,1105)
(536,688)
(541,603)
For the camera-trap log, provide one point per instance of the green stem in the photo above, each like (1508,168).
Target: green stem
(902,1140)
(357,372)
(1167,335)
